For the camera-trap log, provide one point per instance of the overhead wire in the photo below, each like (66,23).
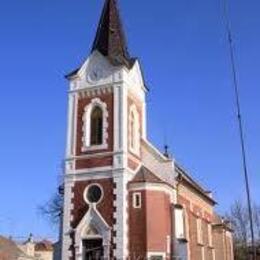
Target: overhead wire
(240,122)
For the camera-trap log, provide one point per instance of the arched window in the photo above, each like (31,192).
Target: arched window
(132,130)
(96,126)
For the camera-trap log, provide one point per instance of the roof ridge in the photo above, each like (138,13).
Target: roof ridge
(195,184)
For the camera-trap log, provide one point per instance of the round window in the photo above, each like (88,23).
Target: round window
(93,194)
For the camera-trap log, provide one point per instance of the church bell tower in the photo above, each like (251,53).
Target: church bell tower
(123,198)
(106,126)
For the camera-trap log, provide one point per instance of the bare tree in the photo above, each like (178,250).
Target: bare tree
(257,222)
(53,209)
(240,222)
(239,218)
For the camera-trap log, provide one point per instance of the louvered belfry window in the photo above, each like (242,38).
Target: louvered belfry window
(96,126)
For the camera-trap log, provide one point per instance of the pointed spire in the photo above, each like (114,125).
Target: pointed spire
(110,38)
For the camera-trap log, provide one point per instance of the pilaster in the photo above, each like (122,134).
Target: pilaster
(71,124)
(66,238)
(121,215)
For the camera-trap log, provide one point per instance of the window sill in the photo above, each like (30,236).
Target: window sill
(94,147)
(182,240)
(200,244)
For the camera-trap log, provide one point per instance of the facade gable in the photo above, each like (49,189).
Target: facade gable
(95,71)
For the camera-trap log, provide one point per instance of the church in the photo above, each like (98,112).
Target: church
(123,198)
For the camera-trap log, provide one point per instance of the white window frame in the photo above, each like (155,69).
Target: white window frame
(199,231)
(152,254)
(86,139)
(168,244)
(214,254)
(203,253)
(210,238)
(134,133)
(135,195)
(179,223)
(85,193)
(187,231)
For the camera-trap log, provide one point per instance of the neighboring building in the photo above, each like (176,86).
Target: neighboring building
(122,197)
(28,247)
(9,250)
(223,241)
(28,250)
(44,250)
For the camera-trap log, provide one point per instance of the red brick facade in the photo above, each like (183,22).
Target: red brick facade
(105,207)
(158,220)
(80,207)
(150,225)
(94,162)
(216,241)
(150,228)
(137,228)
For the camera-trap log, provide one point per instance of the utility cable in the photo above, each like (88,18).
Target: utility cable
(240,123)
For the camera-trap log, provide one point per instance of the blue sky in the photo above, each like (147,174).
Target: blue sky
(184,53)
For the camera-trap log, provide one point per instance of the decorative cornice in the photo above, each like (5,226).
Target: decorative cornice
(94,91)
(95,155)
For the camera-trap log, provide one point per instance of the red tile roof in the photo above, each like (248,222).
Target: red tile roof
(8,249)
(44,245)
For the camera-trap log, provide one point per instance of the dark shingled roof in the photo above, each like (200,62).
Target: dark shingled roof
(110,38)
(145,175)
